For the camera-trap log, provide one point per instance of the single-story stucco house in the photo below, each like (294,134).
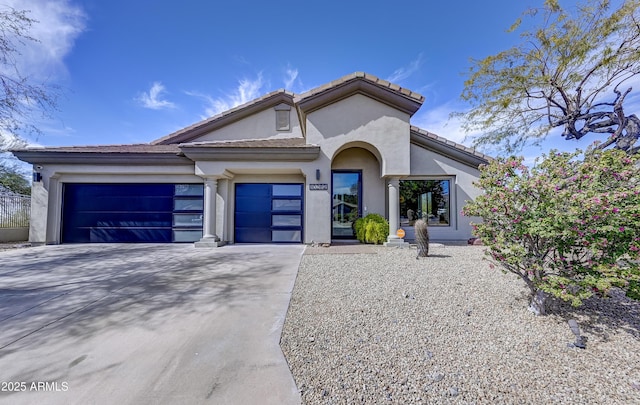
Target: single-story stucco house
(283,168)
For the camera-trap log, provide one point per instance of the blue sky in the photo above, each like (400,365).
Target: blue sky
(134,71)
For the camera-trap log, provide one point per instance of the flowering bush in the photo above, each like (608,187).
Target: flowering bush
(569,227)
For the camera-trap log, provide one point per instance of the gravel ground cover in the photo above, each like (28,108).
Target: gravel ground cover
(387,328)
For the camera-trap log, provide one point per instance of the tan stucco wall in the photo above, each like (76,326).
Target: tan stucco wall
(39,213)
(261,125)
(426,164)
(361,121)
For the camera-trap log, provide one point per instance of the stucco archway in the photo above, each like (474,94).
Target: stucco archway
(356,187)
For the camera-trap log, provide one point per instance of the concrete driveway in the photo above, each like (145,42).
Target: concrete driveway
(145,324)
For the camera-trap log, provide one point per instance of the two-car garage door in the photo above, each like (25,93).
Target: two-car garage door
(131,212)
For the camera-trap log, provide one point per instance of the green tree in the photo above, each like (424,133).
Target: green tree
(569,71)
(568,228)
(13,181)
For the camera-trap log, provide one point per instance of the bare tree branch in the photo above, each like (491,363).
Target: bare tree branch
(21,97)
(560,76)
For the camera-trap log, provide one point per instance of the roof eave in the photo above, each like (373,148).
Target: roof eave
(299,154)
(391,95)
(452,150)
(66,157)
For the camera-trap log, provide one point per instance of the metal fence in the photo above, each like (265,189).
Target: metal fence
(15,210)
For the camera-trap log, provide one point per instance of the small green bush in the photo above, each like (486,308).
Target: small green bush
(372,229)
(358,228)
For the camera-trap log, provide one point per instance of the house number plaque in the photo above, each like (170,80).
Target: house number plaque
(319,186)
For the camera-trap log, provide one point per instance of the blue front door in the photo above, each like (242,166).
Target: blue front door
(346,187)
(268,213)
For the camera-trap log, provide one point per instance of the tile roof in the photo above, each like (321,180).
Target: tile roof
(364,76)
(278,149)
(113,154)
(252,143)
(371,86)
(452,149)
(131,148)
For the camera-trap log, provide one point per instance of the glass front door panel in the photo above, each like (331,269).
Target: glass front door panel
(346,192)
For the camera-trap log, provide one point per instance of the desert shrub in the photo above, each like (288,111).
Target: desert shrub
(569,227)
(372,229)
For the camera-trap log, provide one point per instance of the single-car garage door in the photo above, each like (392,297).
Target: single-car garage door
(267,213)
(131,212)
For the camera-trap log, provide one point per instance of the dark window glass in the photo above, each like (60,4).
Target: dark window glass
(426,199)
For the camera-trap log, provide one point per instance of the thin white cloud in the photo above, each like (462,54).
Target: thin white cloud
(58,24)
(153,99)
(11,141)
(212,106)
(247,90)
(291,76)
(404,72)
(437,120)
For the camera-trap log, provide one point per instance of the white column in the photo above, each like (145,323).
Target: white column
(394,212)
(209,236)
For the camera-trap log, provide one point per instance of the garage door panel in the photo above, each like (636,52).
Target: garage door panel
(268,213)
(287,235)
(123,189)
(286,220)
(132,204)
(252,220)
(98,235)
(186,235)
(253,190)
(86,192)
(120,219)
(132,212)
(253,204)
(253,235)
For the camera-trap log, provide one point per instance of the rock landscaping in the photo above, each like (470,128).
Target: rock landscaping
(385,327)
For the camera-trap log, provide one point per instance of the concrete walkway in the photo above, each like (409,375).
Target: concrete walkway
(145,324)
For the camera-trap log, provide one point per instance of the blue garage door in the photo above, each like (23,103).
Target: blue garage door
(268,213)
(131,213)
